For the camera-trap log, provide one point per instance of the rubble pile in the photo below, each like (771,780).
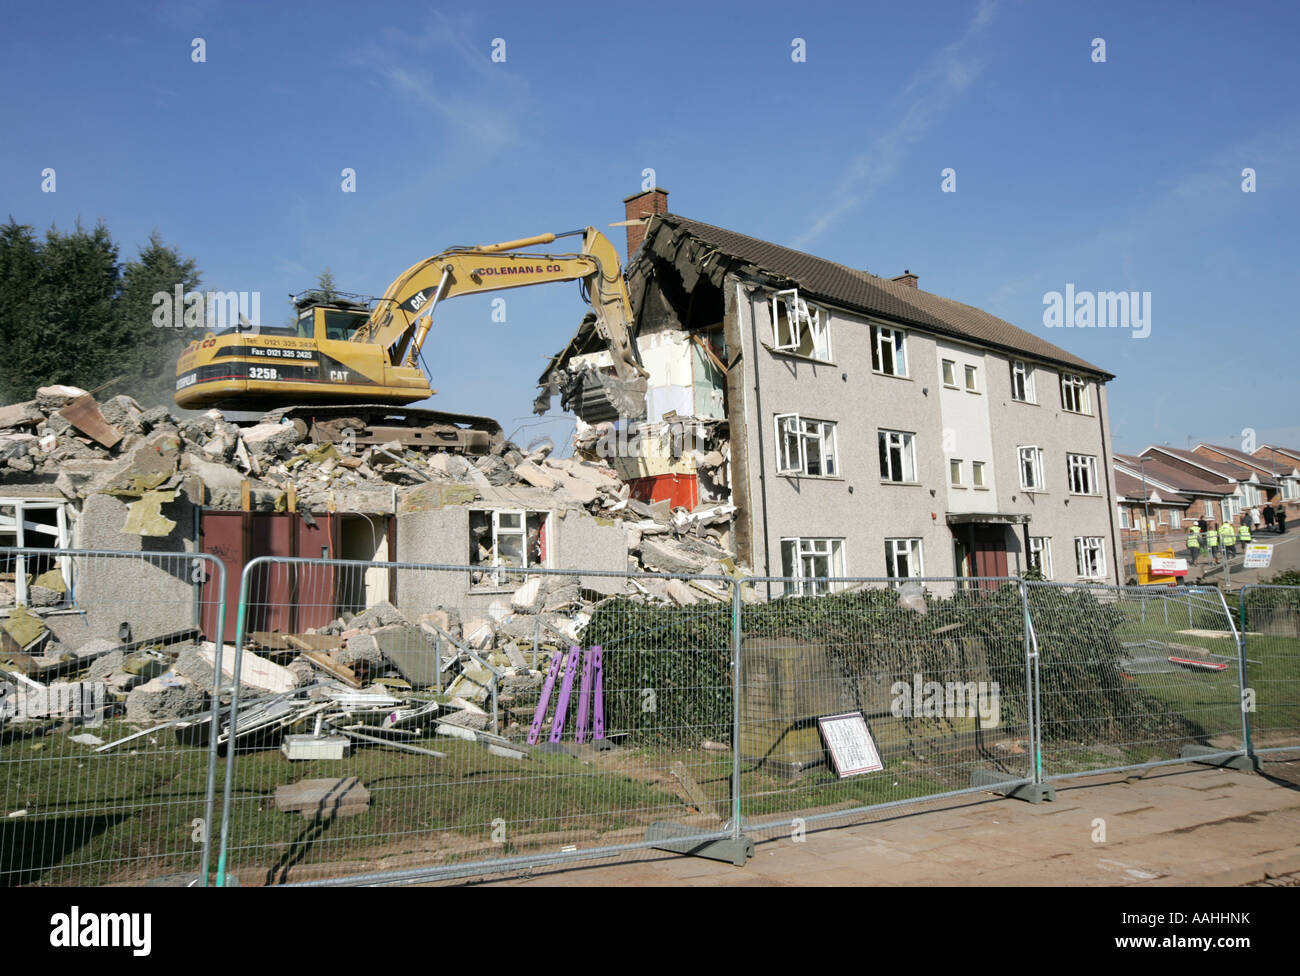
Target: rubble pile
(146,457)
(373,678)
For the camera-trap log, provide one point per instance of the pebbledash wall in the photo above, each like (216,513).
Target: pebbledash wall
(859,507)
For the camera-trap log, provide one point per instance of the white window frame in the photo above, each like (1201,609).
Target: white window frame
(1044,553)
(1084,544)
(1290,488)
(803,320)
(1123,517)
(1079,467)
(948,373)
(897,344)
(977,480)
(955,482)
(17,526)
(971,375)
(1078,385)
(906,447)
(1026,375)
(793,435)
(912,549)
(1228,509)
(799,558)
(1175,519)
(1036,469)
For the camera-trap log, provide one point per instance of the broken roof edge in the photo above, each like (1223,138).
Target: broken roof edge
(922,322)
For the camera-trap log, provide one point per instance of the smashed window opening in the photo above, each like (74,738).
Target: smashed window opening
(510,538)
(35,524)
(798,327)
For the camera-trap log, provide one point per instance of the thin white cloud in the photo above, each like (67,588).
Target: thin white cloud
(926,99)
(447,68)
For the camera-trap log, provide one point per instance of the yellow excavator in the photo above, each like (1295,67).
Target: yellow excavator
(353,365)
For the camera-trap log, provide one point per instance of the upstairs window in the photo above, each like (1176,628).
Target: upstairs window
(977,474)
(1074,393)
(972,380)
(806,447)
(1022,381)
(950,373)
(798,327)
(1031,469)
(888,351)
(1083,474)
(897,456)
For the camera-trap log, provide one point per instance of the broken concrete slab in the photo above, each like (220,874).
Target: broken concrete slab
(254,671)
(323,798)
(20,415)
(681,593)
(528,598)
(52,398)
(165,697)
(531,474)
(410,652)
(360,650)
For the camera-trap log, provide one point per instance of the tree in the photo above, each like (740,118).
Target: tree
(69,313)
(57,323)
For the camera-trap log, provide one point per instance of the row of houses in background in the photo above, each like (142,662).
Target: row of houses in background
(1164,488)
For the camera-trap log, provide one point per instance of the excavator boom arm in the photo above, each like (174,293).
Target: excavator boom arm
(403,316)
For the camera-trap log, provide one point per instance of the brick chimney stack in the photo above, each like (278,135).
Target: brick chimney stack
(906,278)
(639,205)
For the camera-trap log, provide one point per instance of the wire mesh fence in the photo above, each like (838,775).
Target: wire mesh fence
(1134,676)
(400,723)
(932,676)
(405,723)
(1270,622)
(108,681)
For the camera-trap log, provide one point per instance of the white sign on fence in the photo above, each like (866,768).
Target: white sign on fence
(1258,556)
(849,740)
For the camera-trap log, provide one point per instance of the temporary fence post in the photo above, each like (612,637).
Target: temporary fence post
(210,792)
(496,720)
(735,710)
(241,622)
(1246,742)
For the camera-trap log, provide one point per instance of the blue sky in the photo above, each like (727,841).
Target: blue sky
(1122,175)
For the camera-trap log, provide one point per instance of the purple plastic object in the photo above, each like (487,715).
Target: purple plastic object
(536,729)
(596,660)
(584,699)
(566,691)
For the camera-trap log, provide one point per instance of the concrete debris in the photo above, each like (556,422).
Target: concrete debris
(165,697)
(323,798)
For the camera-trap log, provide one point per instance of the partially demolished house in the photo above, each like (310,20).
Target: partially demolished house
(854,424)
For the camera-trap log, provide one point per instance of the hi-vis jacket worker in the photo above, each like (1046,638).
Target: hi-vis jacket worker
(1194,543)
(1228,536)
(1244,532)
(1212,542)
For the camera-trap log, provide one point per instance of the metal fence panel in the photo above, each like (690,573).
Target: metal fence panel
(937,668)
(1134,676)
(1270,626)
(400,720)
(108,689)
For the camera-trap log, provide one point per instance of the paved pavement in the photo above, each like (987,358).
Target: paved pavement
(1176,825)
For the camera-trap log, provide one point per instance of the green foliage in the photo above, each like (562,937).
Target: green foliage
(683,655)
(70,313)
